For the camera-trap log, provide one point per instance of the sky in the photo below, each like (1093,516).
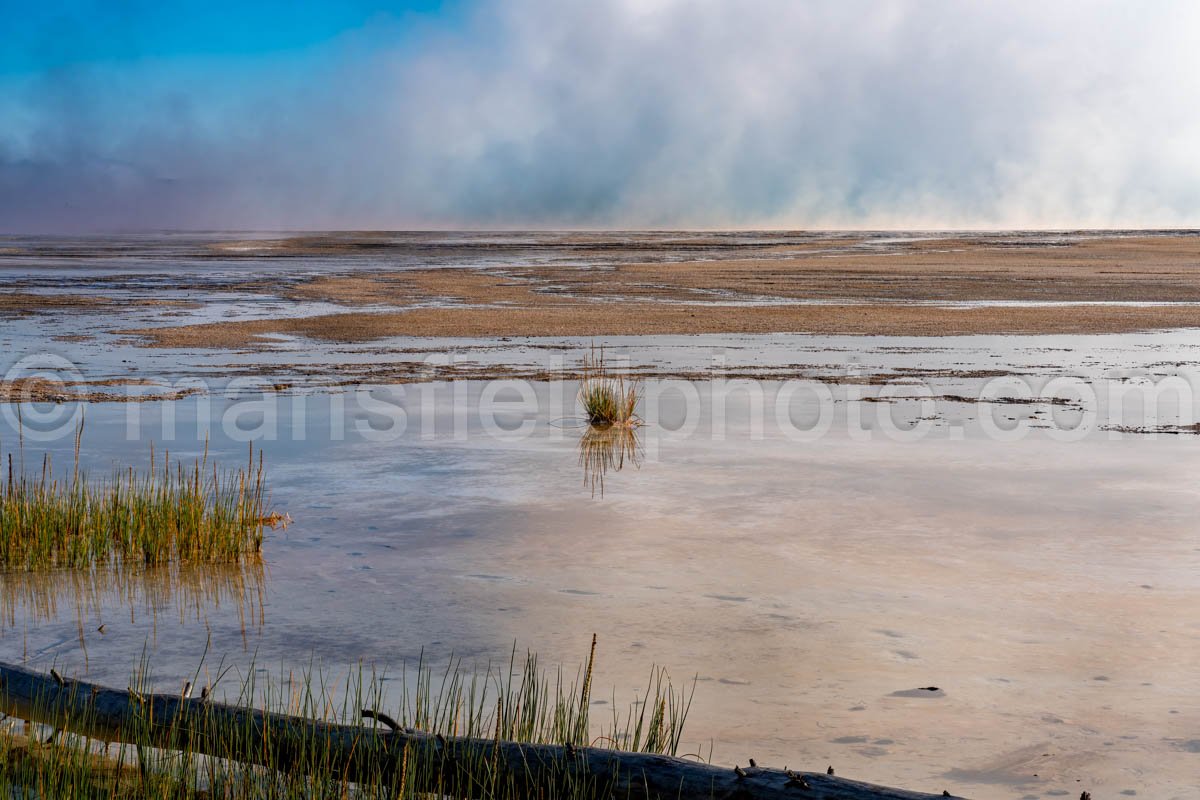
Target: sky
(930,114)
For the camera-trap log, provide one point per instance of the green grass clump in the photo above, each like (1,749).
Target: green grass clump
(30,767)
(196,513)
(607,399)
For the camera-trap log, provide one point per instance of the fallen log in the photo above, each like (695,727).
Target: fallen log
(455,766)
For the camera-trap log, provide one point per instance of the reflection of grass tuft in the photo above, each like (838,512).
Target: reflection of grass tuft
(605,449)
(170,513)
(607,399)
(185,590)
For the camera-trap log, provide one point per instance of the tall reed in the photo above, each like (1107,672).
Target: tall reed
(197,512)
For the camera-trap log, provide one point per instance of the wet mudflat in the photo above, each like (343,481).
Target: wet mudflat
(231,291)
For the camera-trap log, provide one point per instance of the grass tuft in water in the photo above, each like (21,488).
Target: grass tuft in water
(170,513)
(607,399)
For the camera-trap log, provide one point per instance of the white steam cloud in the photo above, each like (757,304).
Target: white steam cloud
(626,113)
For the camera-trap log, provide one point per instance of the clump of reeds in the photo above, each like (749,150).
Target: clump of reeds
(179,512)
(607,399)
(518,702)
(32,768)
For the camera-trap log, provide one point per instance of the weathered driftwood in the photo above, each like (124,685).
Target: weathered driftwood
(361,753)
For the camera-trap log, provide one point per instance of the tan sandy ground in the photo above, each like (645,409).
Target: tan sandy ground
(677,298)
(44,390)
(17,303)
(21,303)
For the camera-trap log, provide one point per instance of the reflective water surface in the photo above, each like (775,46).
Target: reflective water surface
(817,587)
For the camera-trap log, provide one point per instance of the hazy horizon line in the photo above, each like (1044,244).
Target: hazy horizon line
(601,230)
